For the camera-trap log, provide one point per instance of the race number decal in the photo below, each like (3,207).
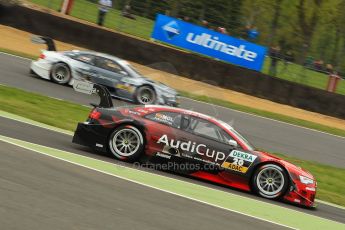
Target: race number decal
(84,87)
(239,161)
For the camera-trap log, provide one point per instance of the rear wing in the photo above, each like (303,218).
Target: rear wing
(87,87)
(44,40)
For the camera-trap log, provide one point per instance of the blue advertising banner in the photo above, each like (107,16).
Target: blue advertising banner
(207,42)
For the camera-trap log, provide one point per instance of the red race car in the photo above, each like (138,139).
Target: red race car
(191,143)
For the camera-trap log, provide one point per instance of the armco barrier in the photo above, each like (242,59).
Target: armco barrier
(186,64)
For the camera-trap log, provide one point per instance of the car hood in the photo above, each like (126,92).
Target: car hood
(288,165)
(159,85)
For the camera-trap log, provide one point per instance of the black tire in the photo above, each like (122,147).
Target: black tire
(270,181)
(126,143)
(60,74)
(145,95)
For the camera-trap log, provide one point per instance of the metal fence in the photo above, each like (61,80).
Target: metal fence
(137,17)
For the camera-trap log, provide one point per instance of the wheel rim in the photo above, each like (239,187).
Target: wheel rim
(146,96)
(61,74)
(270,181)
(126,142)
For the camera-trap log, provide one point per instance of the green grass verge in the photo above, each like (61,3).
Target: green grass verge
(263,113)
(43,109)
(66,115)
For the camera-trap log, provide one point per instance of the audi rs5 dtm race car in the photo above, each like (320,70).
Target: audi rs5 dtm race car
(207,148)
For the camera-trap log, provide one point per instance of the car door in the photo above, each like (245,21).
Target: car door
(83,63)
(210,143)
(111,75)
(163,133)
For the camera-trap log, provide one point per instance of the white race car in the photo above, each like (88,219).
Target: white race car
(122,80)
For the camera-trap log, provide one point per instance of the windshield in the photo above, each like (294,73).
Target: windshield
(130,68)
(238,135)
(249,145)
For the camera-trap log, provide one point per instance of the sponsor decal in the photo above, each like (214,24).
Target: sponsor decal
(163,155)
(239,161)
(163,118)
(99,145)
(134,112)
(126,87)
(194,150)
(171,29)
(212,42)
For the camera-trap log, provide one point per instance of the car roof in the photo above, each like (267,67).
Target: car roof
(104,55)
(157,108)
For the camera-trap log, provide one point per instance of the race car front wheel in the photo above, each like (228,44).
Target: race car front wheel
(60,73)
(126,143)
(270,181)
(146,95)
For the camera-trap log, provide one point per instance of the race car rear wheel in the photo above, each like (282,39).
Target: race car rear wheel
(126,143)
(146,95)
(270,181)
(61,73)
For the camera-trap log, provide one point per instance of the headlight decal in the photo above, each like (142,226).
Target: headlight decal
(306,180)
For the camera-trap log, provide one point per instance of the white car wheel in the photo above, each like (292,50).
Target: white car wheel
(61,73)
(146,95)
(270,181)
(126,143)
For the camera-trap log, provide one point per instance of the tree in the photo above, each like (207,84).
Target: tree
(275,21)
(307,25)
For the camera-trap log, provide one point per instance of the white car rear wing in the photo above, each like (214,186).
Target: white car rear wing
(36,39)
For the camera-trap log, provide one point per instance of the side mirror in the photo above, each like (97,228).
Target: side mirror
(233,143)
(123,73)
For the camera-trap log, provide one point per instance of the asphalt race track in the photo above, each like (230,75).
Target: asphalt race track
(51,194)
(264,133)
(60,141)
